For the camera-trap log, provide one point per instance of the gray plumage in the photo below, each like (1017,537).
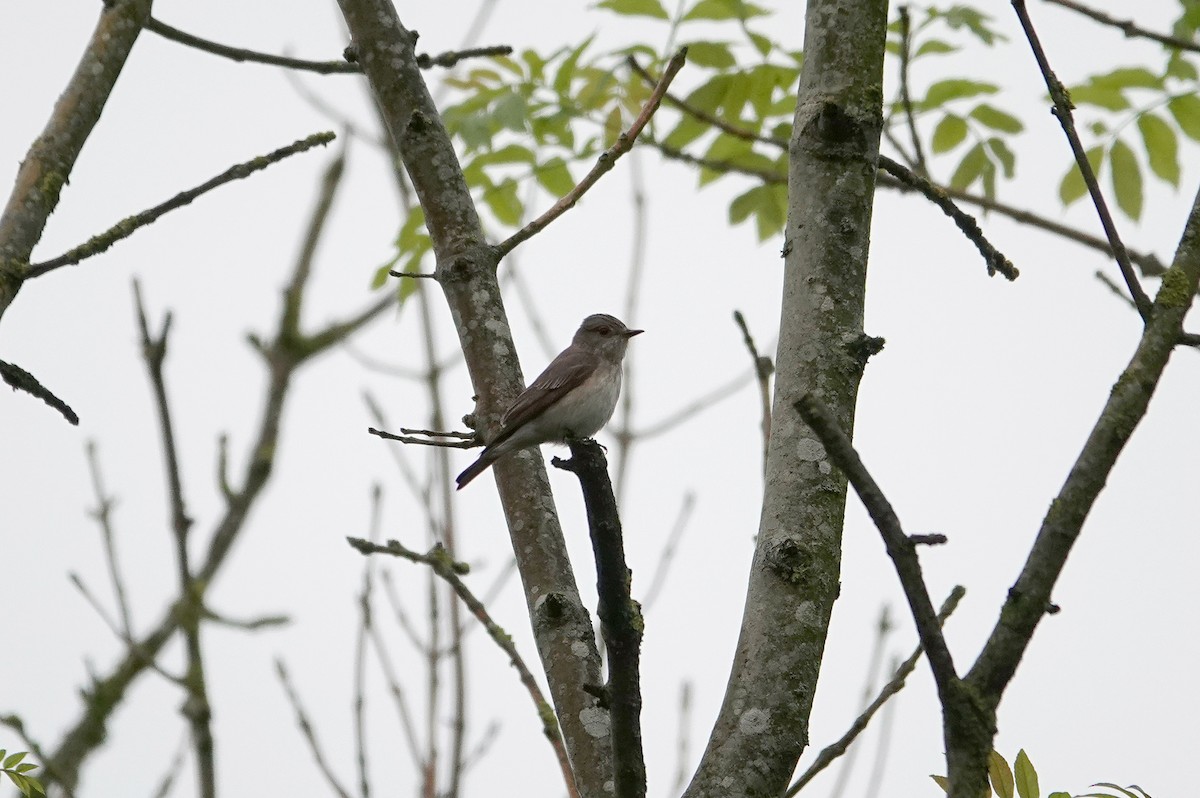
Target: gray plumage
(573,398)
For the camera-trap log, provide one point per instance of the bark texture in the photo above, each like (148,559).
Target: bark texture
(48,164)
(763,723)
(466,271)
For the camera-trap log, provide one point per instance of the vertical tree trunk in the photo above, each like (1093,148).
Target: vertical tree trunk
(763,722)
(466,271)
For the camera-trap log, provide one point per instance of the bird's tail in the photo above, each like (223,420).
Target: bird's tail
(475,469)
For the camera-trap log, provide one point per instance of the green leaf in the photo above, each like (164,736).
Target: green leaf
(761,43)
(1072,186)
(25,767)
(510,112)
(635,8)
(1101,96)
(961,16)
(1128,78)
(1186,110)
(612,126)
(555,177)
(954,89)
(1178,66)
(949,133)
(934,47)
(1162,147)
(942,782)
(714,55)
(709,94)
(1000,775)
(1060,794)
(724,9)
(566,70)
(1112,786)
(1027,778)
(504,203)
(996,119)
(1126,179)
(688,130)
(969,168)
(1004,155)
(15,758)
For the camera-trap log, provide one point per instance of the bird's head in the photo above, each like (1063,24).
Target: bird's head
(605,335)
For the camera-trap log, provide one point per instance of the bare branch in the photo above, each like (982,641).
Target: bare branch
(1062,110)
(996,261)
(47,165)
(899,547)
(763,369)
(905,100)
(463,443)
(604,163)
(127,227)
(425,61)
(103,515)
(196,707)
(449,570)
(306,728)
(1128,27)
(22,380)
(838,748)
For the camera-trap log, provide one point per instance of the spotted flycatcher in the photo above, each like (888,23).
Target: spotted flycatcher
(573,398)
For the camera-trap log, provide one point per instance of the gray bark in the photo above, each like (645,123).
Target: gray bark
(763,722)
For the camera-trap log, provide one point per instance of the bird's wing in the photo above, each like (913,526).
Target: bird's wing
(564,373)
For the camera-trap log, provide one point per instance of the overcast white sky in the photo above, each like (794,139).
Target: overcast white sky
(969,419)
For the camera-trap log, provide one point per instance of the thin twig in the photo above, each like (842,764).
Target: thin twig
(1128,27)
(994,258)
(667,557)
(831,752)
(763,369)
(135,649)
(604,163)
(449,570)
(691,409)
(874,662)
(704,116)
(306,728)
(1062,110)
(365,622)
(454,444)
(21,380)
(683,753)
(127,227)
(103,515)
(905,100)
(424,61)
(196,708)
(173,768)
(397,692)
(901,550)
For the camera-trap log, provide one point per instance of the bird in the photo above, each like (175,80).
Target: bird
(572,399)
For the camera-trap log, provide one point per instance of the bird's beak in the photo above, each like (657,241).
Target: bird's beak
(631,333)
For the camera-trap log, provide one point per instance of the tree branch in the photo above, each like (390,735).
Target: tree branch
(1062,110)
(22,380)
(604,163)
(902,551)
(831,752)
(47,165)
(450,571)
(1128,27)
(466,266)
(128,226)
(621,620)
(424,61)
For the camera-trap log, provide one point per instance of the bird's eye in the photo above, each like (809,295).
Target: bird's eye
(604,331)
